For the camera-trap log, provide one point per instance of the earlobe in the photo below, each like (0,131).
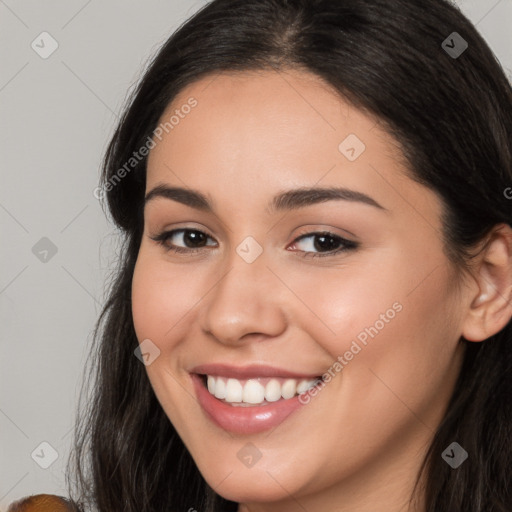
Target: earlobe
(491,309)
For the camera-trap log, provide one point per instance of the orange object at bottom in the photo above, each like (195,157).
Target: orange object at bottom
(42,503)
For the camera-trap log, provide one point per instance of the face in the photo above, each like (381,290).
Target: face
(266,295)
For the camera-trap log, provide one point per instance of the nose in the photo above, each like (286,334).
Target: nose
(247,302)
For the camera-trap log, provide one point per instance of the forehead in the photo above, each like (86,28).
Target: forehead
(250,135)
(268,112)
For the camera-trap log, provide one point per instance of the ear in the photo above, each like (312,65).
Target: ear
(491,304)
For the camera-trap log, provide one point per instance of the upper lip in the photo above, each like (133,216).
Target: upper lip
(248,372)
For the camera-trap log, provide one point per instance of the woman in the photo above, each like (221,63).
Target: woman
(312,307)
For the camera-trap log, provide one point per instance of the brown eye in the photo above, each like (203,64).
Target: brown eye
(325,241)
(189,237)
(327,244)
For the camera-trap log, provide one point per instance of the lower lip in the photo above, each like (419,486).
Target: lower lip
(243,420)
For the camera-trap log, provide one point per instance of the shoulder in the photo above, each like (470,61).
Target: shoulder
(42,503)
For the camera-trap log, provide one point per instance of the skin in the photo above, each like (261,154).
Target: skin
(357,446)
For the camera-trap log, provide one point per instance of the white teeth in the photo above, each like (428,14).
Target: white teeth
(233,391)
(220,388)
(304,385)
(289,389)
(253,391)
(211,384)
(272,391)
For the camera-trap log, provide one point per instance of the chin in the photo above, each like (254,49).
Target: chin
(251,485)
(252,492)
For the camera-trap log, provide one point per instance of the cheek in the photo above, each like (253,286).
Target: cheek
(350,304)
(406,360)
(160,299)
(388,321)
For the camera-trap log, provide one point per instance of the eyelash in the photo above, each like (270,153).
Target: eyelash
(162,238)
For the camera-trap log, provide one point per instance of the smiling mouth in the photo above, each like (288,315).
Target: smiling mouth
(256,391)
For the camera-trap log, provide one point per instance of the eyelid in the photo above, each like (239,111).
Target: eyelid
(346,243)
(303,231)
(349,237)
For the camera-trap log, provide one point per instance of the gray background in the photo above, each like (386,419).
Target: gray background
(57,115)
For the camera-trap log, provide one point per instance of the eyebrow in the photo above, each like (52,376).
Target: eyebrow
(284,201)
